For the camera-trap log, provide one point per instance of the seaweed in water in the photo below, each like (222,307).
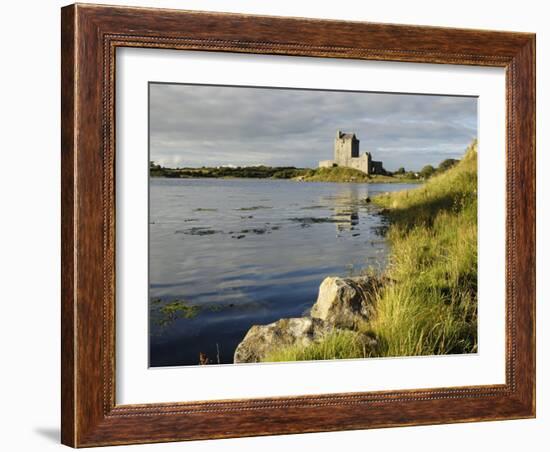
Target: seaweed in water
(174,310)
(255,208)
(314,207)
(257,231)
(197,231)
(306,222)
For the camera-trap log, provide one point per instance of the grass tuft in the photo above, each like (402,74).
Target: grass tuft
(339,344)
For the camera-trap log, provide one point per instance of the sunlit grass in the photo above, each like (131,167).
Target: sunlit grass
(344,174)
(429,304)
(340,344)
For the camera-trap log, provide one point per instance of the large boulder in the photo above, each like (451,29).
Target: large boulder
(345,302)
(342,304)
(263,339)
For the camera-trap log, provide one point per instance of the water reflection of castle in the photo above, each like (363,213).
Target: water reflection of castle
(346,210)
(347,218)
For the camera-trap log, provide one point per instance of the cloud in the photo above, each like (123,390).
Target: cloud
(196,125)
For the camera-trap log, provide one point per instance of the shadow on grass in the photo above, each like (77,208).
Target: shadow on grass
(422,213)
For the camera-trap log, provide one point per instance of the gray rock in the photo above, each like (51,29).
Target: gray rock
(342,304)
(263,339)
(345,302)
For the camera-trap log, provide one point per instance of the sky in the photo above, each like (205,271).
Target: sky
(200,125)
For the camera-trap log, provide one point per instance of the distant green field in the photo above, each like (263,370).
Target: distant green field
(248,172)
(343,174)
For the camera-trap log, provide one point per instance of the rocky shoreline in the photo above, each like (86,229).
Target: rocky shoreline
(343,304)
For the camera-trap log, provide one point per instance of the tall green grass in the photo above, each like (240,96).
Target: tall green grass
(339,344)
(429,304)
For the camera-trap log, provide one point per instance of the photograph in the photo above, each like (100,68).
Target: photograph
(291,225)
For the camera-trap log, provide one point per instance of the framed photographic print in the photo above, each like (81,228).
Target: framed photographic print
(280,225)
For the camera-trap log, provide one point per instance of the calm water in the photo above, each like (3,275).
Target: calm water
(248,251)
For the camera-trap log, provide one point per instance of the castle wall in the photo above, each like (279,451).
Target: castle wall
(326,164)
(377,168)
(342,152)
(361,163)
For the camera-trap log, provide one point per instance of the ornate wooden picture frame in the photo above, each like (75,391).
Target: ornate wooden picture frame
(90,37)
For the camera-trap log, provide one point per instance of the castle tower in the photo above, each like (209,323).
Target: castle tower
(346,147)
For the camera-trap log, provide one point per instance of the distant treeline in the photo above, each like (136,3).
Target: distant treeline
(250,172)
(291,172)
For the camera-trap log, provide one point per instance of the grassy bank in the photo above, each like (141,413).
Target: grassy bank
(343,174)
(430,304)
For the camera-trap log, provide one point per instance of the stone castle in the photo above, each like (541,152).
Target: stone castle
(346,153)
